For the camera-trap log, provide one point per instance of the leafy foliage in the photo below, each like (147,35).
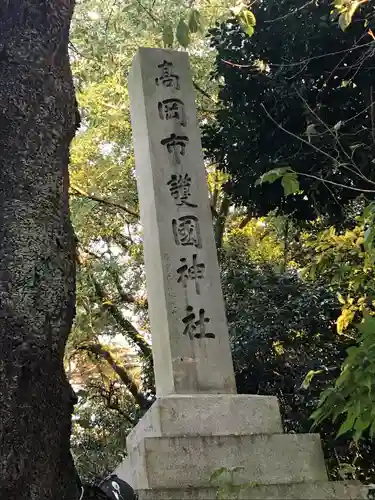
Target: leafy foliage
(301,101)
(97,434)
(352,394)
(285,344)
(348,260)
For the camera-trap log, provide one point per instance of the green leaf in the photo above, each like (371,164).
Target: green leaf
(183,34)
(247,21)
(367,327)
(290,183)
(168,36)
(81,393)
(272,175)
(347,425)
(369,238)
(195,21)
(344,20)
(341,298)
(85,423)
(360,426)
(218,473)
(346,15)
(309,376)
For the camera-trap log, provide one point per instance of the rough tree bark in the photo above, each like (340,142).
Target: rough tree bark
(38,118)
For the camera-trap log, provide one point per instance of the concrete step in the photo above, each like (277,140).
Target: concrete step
(208,415)
(182,462)
(307,491)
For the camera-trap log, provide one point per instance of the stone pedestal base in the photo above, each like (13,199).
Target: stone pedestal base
(297,491)
(182,440)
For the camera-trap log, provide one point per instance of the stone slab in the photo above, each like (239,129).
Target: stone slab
(180,462)
(190,340)
(124,472)
(308,491)
(208,415)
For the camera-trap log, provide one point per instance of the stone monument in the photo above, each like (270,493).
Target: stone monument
(198,423)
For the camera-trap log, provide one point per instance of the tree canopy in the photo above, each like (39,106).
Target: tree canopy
(298,94)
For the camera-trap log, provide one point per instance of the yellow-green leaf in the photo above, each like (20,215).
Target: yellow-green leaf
(344,20)
(247,21)
(272,175)
(290,183)
(309,376)
(195,21)
(168,36)
(183,34)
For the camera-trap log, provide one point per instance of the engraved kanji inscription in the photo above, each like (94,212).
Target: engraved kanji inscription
(176,145)
(186,231)
(167,78)
(194,272)
(179,186)
(172,109)
(196,328)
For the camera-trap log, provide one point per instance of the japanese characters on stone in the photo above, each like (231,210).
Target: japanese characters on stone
(186,228)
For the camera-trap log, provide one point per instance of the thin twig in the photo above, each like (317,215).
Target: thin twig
(203,92)
(335,183)
(319,151)
(297,137)
(148,12)
(357,170)
(80,192)
(290,13)
(303,61)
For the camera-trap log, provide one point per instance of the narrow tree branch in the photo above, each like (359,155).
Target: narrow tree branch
(302,61)
(203,92)
(245,220)
(319,151)
(335,183)
(220,221)
(124,376)
(148,12)
(80,192)
(124,323)
(126,298)
(357,170)
(294,11)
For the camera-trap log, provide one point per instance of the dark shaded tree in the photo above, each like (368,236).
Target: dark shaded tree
(38,119)
(281,329)
(299,71)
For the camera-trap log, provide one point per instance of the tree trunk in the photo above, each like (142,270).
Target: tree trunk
(38,118)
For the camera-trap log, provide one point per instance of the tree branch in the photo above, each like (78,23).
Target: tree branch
(203,92)
(319,151)
(124,376)
(247,218)
(80,192)
(357,170)
(220,221)
(124,323)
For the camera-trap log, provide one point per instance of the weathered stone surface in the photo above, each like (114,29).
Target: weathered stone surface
(208,415)
(190,336)
(295,491)
(190,461)
(124,471)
